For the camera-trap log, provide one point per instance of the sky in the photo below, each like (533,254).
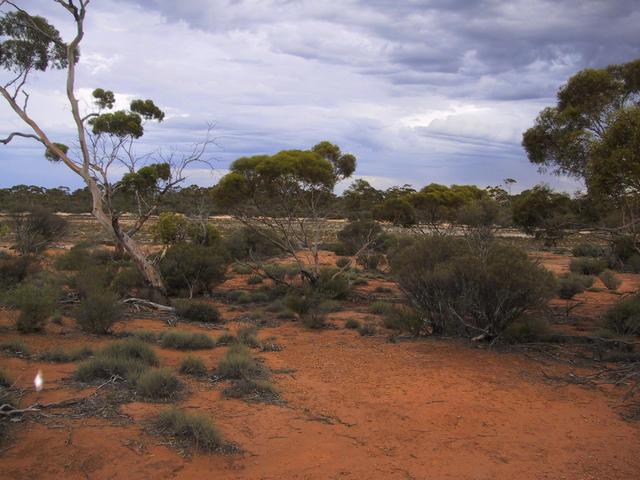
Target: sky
(420,91)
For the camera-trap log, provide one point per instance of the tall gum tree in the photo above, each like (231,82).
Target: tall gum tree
(104,138)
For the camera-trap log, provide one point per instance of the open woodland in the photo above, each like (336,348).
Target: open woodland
(271,327)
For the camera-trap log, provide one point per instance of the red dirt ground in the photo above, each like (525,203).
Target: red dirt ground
(356,408)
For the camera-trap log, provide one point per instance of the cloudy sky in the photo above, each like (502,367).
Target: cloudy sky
(420,91)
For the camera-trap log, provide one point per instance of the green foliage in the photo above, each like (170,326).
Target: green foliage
(526,330)
(193,429)
(370,260)
(192,365)
(36,304)
(571,284)
(332,286)
(330,306)
(244,243)
(398,211)
(238,363)
(37,229)
(192,268)
(13,270)
(610,280)
(587,119)
(119,124)
(352,324)
(98,311)
(344,164)
(81,257)
(342,262)
(157,384)
(60,355)
(247,335)
(104,98)
(458,287)
(186,340)
(588,250)
(587,265)
(379,307)
(624,317)
(355,235)
(30,43)
(197,311)
(543,213)
(130,349)
(403,319)
(127,280)
(145,336)
(254,280)
(172,228)
(360,199)
(147,180)
(14,347)
(52,155)
(367,329)
(147,109)
(252,390)
(127,359)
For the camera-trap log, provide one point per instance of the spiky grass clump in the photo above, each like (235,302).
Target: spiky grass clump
(186,341)
(252,390)
(131,349)
(247,336)
(60,355)
(157,384)
(191,429)
(14,347)
(238,363)
(192,365)
(196,311)
(352,324)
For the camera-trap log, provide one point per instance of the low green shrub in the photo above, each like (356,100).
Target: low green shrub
(379,307)
(342,262)
(242,268)
(192,365)
(105,367)
(226,339)
(402,318)
(82,256)
(36,304)
(13,269)
(588,250)
(254,280)
(610,280)
(238,363)
(130,349)
(526,330)
(15,347)
(60,355)
(624,317)
(352,324)
(157,384)
(330,306)
(127,280)
(367,329)
(248,336)
(314,320)
(181,340)
(587,265)
(197,311)
(192,429)
(98,311)
(252,390)
(192,269)
(571,284)
(146,336)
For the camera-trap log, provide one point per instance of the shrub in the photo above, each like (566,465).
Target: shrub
(6,380)
(186,340)
(528,329)
(343,262)
(98,311)
(37,229)
(157,384)
(192,268)
(465,289)
(330,306)
(81,257)
(197,311)
(624,317)
(335,287)
(60,355)
(355,235)
(352,324)
(588,250)
(370,260)
(587,265)
(571,284)
(225,339)
(192,365)
(238,363)
(403,319)
(130,349)
(36,304)
(105,367)
(93,279)
(379,308)
(127,280)
(634,263)
(247,336)
(314,320)
(145,336)
(192,429)
(171,228)
(13,270)
(367,329)
(254,280)
(14,347)
(252,390)
(610,280)
(247,242)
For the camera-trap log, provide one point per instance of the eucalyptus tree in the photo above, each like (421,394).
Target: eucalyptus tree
(286,197)
(103,138)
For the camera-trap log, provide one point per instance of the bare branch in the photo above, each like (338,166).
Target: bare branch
(23,135)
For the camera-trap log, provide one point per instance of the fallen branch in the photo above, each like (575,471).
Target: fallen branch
(139,302)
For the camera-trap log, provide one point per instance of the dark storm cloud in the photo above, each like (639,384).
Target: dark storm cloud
(420,91)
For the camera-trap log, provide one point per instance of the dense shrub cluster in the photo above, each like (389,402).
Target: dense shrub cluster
(624,317)
(461,288)
(127,359)
(36,302)
(571,284)
(197,311)
(98,311)
(192,269)
(587,265)
(13,269)
(37,229)
(186,340)
(588,250)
